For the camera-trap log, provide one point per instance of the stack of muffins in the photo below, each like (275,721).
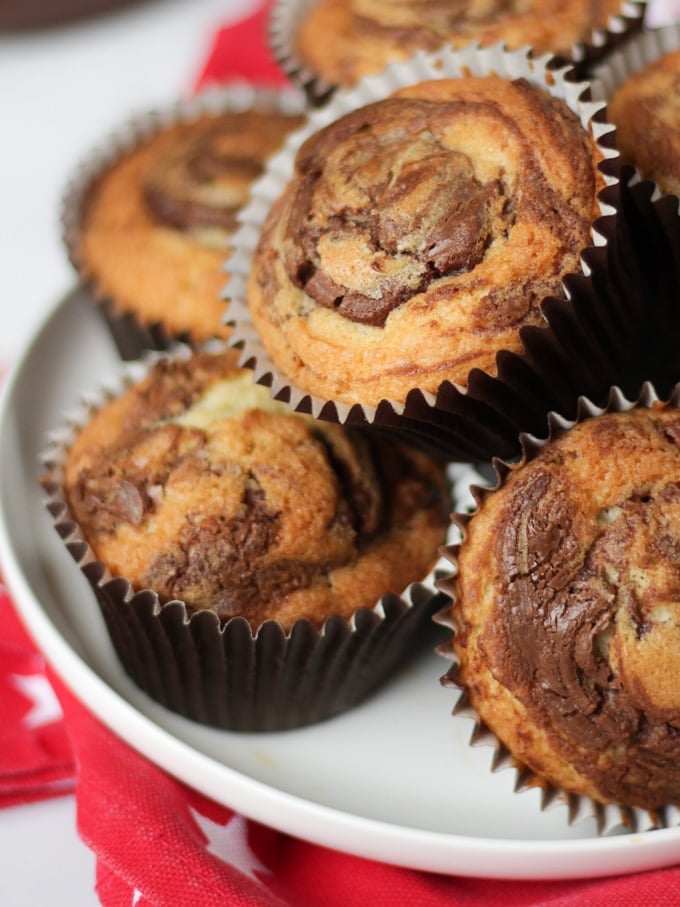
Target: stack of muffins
(445,255)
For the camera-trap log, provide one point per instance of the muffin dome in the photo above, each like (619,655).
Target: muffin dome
(567,608)
(344,40)
(419,233)
(148,224)
(197,485)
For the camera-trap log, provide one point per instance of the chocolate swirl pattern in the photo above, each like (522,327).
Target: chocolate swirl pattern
(413,210)
(344,41)
(568,639)
(419,233)
(197,183)
(148,217)
(186,487)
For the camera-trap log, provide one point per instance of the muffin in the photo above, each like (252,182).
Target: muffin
(148,221)
(419,234)
(336,43)
(566,603)
(280,535)
(646,112)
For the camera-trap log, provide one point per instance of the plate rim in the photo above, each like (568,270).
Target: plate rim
(428,850)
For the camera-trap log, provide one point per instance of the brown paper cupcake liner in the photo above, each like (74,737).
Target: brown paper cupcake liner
(590,339)
(652,217)
(286,17)
(284,22)
(628,21)
(608,817)
(228,675)
(131,334)
(655,229)
(618,64)
(595,338)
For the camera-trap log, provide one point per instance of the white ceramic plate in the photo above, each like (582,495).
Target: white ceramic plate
(393,780)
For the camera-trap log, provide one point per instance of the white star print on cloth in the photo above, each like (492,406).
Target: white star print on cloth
(230,843)
(46,708)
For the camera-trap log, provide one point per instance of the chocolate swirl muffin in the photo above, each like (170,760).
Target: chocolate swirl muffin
(344,40)
(197,485)
(646,112)
(567,600)
(149,229)
(419,233)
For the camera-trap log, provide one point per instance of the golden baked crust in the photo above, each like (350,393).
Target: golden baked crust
(419,233)
(156,224)
(344,40)
(646,113)
(182,487)
(568,609)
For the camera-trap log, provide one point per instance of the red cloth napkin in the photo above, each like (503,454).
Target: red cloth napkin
(241,51)
(160,844)
(36,759)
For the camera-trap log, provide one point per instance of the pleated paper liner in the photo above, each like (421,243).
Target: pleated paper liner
(636,52)
(591,338)
(652,215)
(609,817)
(654,225)
(132,333)
(284,23)
(628,21)
(228,675)
(287,16)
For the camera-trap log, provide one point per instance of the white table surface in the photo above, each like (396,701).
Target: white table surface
(61,91)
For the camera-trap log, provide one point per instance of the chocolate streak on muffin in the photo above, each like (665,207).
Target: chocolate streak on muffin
(221,555)
(584,616)
(126,489)
(427,24)
(384,208)
(228,558)
(202,180)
